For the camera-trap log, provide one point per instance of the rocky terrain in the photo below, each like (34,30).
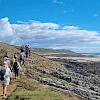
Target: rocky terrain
(81,74)
(78,78)
(84,73)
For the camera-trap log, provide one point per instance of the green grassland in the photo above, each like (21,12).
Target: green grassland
(32,90)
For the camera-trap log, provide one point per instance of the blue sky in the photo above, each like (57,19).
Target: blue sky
(62,24)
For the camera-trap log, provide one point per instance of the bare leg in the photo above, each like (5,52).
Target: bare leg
(4,90)
(15,74)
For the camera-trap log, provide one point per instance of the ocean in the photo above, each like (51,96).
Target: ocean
(92,54)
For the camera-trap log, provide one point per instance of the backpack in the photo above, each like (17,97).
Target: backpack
(2,73)
(21,55)
(15,65)
(27,49)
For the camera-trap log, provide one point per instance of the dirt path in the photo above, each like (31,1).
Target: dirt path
(11,88)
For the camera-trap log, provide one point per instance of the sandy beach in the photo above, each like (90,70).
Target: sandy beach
(79,59)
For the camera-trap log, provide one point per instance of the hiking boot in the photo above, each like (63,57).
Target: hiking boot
(4,97)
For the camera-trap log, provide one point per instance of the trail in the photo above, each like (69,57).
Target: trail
(12,86)
(10,89)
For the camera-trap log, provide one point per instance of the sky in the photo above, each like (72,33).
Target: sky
(57,24)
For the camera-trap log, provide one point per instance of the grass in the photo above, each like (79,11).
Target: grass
(28,89)
(27,84)
(42,93)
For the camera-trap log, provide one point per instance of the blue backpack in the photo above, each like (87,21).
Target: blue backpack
(2,73)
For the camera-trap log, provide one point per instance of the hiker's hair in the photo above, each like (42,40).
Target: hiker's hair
(22,50)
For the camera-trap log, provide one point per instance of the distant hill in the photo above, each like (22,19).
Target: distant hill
(43,50)
(55,52)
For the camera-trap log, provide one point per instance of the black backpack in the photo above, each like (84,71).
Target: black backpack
(27,49)
(2,73)
(15,66)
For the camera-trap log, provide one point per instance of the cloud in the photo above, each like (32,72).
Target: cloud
(58,2)
(48,35)
(5,27)
(70,27)
(7,32)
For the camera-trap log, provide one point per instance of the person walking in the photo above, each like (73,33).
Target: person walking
(7,60)
(29,47)
(5,78)
(16,68)
(5,55)
(22,48)
(27,51)
(22,57)
(15,55)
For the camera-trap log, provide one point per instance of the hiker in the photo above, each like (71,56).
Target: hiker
(22,48)
(5,78)
(6,59)
(5,55)
(15,55)
(16,68)
(27,51)
(22,57)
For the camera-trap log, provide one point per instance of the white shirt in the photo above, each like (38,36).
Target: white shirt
(8,72)
(7,76)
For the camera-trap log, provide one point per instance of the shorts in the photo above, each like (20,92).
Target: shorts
(6,81)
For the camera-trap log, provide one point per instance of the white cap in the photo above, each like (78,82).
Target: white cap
(5,62)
